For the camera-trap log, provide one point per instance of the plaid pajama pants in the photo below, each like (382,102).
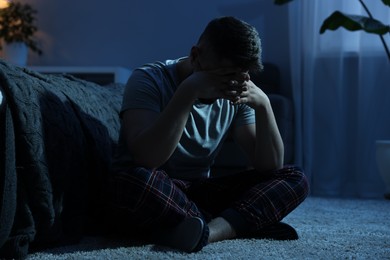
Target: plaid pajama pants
(144,199)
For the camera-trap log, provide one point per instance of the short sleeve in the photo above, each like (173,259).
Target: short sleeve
(245,115)
(141,92)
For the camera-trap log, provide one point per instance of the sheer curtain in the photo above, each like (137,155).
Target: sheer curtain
(341,91)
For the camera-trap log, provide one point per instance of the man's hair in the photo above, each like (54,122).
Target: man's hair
(235,40)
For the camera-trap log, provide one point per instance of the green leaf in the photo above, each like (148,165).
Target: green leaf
(386,2)
(353,23)
(282,2)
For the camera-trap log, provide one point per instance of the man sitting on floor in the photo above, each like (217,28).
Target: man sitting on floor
(175,117)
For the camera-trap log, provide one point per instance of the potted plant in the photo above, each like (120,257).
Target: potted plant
(17,29)
(354,22)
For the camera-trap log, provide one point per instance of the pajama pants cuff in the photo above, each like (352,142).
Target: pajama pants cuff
(237,221)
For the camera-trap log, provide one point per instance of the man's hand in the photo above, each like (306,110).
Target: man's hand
(246,93)
(224,83)
(231,84)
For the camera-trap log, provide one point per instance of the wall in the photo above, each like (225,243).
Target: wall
(131,32)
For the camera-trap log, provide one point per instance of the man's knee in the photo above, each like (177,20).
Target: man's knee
(127,187)
(297,176)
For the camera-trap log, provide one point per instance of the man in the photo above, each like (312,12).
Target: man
(175,116)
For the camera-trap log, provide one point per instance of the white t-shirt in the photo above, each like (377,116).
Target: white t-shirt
(151,87)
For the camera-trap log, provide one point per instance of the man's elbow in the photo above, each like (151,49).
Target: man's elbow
(147,162)
(275,163)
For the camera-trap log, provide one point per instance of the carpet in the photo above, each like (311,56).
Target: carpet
(329,228)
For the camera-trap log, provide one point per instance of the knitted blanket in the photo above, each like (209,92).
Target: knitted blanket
(57,135)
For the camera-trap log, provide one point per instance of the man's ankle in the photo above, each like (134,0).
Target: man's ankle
(220,230)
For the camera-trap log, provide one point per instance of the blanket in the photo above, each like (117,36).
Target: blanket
(57,135)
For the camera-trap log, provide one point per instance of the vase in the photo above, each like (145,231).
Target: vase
(15,53)
(383,162)
(1,101)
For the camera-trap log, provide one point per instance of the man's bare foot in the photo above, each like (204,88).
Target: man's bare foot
(220,230)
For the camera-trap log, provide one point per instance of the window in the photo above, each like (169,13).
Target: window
(348,41)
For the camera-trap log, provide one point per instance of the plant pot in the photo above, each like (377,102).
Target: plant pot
(1,101)
(15,53)
(383,162)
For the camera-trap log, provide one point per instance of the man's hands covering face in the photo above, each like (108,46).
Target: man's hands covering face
(231,84)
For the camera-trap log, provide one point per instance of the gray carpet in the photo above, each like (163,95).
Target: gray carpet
(328,229)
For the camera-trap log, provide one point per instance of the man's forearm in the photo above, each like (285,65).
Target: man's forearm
(155,145)
(269,144)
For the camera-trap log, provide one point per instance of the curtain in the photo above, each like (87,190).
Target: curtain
(341,93)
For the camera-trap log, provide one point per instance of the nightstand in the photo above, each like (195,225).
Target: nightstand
(99,75)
